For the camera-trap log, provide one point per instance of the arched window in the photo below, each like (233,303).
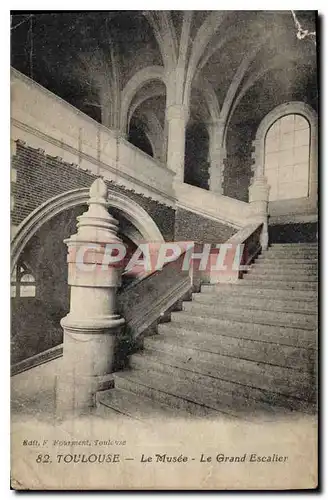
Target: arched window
(22,282)
(287,157)
(285,153)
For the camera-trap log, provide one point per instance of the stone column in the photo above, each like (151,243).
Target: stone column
(92,325)
(216,156)
(176,117)
(259,198)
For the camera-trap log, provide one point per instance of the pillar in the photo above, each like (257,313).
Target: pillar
(176,117)
(258,199)
(216,156)
(92,326)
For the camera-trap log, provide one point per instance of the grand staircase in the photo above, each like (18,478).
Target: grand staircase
(241,350)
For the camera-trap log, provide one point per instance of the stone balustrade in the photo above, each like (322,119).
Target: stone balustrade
(44,120)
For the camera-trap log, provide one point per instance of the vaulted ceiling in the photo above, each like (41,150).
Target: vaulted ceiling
(241,62)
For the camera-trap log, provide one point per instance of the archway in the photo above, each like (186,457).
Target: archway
(39,255)
(133,212)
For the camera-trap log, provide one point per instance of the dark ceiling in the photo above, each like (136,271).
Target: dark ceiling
(65,51)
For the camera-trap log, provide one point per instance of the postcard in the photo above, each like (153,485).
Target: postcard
(164,250)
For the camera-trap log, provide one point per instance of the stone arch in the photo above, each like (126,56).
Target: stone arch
(165,34)
(203,36)
(226,110)
(157,92)
(289,108)
(133,212)
(200,83)
(134,84)
(208,93)
(273,64)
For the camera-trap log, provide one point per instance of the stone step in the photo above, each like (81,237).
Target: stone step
(289,273)
(160,388)
(267,256)
(134,406)
(252,291)
(176,340)
(298,320)
(293,251)
(276,284)
(287,263)
(179,391)
(290,383)
(176,368)
(290,254)
(294,245)
(283,265)
(269,304)
(260,275)
(239,329)
(107,413)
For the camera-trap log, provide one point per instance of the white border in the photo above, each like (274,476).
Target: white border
(5,188)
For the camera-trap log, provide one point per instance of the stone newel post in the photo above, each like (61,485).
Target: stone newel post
(259,198)
(92,325)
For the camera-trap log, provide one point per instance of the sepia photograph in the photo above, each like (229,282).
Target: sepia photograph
(164,249)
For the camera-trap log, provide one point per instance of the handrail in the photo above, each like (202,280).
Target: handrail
(37,359)
(250,237)
(165,287)
(226,210)
(184,246)
(243,234)
(143,302)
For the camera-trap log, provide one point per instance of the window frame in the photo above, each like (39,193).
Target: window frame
(16,281)
(286,206)
(293,163)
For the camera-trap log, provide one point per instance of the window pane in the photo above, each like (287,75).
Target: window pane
(302,137)
(27,278)
(287,151)
(301,122)
(27,291)
(301,172)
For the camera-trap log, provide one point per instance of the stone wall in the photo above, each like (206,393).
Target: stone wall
(195,227)
(293,233)
(39,177)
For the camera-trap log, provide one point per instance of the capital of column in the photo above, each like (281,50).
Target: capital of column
(216,127)
(176,112)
